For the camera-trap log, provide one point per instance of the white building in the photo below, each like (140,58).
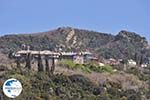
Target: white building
(131,62)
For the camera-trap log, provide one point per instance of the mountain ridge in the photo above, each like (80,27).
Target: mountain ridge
(123,45)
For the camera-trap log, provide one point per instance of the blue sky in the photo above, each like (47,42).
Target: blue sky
(26,16)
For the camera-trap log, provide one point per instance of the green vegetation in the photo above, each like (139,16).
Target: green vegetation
(71,65)
(42,86)
(97,68)
(86,67)
(68,63)
(141,73)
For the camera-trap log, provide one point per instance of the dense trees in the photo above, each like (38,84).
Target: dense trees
(41,86)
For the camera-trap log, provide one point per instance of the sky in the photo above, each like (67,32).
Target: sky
(111,16)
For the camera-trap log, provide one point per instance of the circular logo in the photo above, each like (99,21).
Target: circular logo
(12,88)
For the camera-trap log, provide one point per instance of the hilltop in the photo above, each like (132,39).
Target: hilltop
(123,45)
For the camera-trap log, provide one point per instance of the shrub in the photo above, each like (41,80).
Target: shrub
(71,65)
(107,68)
(68,63)
(88,68)
(97,68)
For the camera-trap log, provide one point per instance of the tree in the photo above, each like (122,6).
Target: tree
(53,65)
(28,61)
(40,65)
(47,63)
(10,54)
(18,62)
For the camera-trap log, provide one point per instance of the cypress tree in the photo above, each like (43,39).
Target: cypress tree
(53,65)
(18,62)
(40,65)
(28,61)
(47,63)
